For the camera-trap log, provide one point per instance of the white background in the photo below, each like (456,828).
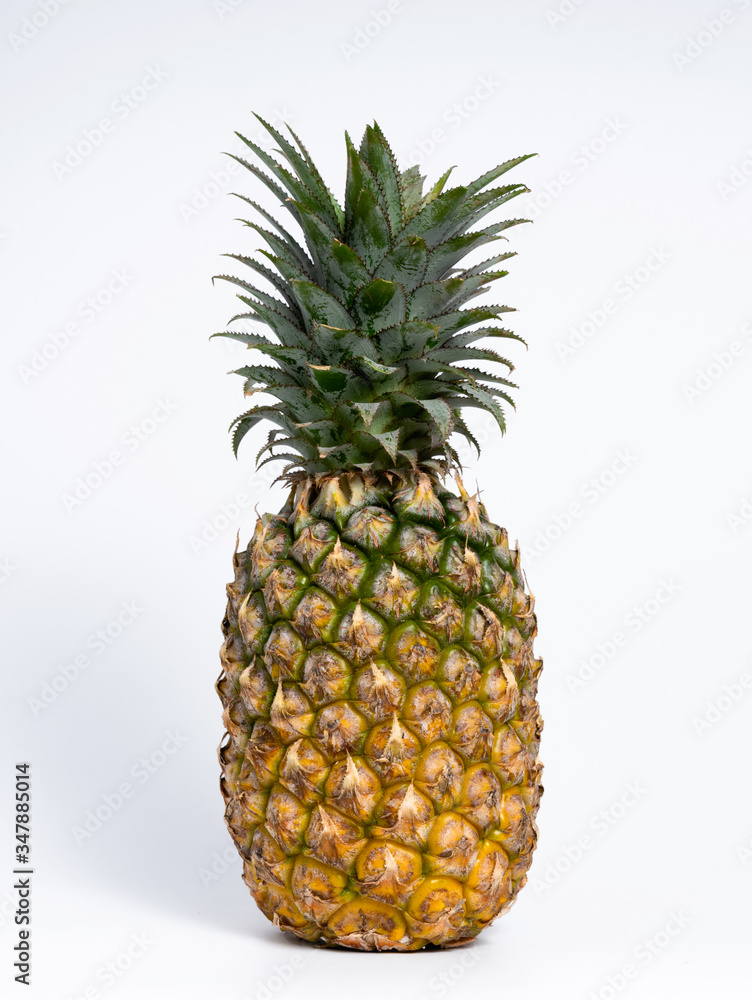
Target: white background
(646,110)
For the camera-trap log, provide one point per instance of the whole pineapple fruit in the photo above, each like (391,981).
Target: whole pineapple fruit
(380,768)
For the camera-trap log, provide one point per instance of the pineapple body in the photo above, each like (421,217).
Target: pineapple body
(380,768)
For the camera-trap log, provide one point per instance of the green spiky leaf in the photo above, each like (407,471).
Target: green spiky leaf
(380,304)
(371,312)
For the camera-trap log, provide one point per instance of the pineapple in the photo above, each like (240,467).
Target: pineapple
(380,767)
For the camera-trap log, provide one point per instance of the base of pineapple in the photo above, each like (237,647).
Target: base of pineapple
(437,918)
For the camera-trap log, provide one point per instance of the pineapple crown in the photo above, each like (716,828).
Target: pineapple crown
(372,364)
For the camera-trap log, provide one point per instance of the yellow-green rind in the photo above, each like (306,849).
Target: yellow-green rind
(380,768)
